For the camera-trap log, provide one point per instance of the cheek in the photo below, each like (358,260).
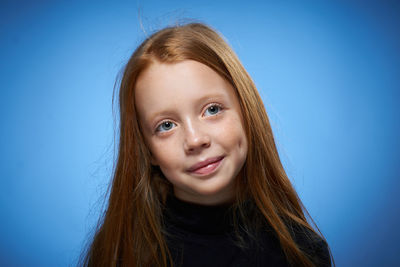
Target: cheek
(166,156)
(233,136)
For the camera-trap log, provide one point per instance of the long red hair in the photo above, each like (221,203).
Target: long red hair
(130,231)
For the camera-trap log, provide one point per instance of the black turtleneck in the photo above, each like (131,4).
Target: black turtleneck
(205,236)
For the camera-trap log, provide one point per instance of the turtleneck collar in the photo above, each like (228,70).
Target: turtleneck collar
(198,219)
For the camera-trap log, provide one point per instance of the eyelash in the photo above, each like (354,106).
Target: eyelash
(161,123)
(214,105)
(219,106)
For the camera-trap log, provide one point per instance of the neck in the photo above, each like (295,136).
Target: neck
(199,218)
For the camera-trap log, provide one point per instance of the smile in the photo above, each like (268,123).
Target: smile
(206,167)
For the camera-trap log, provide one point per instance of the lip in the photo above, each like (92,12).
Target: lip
(207,166)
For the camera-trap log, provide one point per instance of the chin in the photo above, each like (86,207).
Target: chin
(216,192)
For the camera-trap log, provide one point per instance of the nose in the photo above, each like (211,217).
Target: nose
(196,138)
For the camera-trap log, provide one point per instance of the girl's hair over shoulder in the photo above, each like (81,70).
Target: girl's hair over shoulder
(130,231)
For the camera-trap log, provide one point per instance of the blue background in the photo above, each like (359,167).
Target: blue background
(328,73)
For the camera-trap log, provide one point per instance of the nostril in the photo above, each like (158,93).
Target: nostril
(197,145)
(205,144)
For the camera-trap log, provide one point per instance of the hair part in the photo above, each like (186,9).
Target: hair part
(130,232)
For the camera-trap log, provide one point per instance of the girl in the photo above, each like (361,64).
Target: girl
(198,180)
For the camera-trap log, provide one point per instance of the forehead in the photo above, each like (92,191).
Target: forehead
(164,86)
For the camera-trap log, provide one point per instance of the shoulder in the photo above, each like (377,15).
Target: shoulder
(312,244)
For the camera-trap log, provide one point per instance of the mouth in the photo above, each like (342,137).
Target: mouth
(207,166)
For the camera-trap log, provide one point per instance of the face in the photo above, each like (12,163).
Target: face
(192,122)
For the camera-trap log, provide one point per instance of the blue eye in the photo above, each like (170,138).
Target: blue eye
(165,126)
(212,110)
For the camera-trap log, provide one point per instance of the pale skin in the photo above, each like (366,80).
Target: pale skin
(192,123)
